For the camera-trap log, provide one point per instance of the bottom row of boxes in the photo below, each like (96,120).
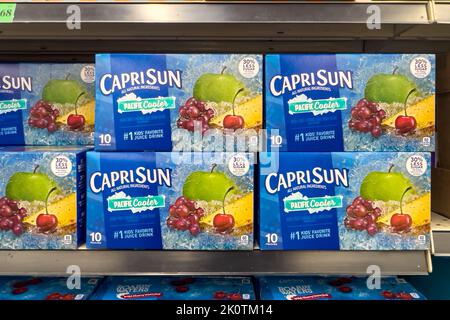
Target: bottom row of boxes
(209,288)
(55,198)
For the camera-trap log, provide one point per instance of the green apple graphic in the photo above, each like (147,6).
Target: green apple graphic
(63,91)
(207,185)
(29,186)
(218,87)
(389,88)
(385,186)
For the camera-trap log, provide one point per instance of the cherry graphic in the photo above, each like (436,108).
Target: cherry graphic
(406,124)
(54,296)
(68,296)
(223,222)
(404,296)
(234,121)
(388,294)
(235,296)
(219,295)
(401,222)
(20,290)
(76,121)
(345,289)
(182,289)
(47,222)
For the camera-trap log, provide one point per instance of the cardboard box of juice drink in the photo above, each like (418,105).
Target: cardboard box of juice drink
(181,201)
(47,103)
(175,288)
(165,102)
(42,197)
(350,102)
(46,288)
(345,200)
(336,288)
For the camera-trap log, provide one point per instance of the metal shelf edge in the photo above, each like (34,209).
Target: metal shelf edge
(213,262)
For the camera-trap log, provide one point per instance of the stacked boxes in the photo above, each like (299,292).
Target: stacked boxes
(379,199)
(28,288)
(200,200)
(183,201)
(351,102)
(345,165)
(43,197)
(46,117)
(46,104)
(345,200)
(175,288)
(337,288)
(165,102)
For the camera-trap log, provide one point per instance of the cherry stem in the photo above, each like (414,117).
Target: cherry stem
(76,101)
(35,168)
(407,97)
(401,199)
(223,69)
(46,198)
(234,99)
(213,167)
(395,70)
(224,196)
(390,168)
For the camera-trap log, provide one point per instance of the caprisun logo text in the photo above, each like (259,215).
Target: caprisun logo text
(321,78)
(99,181)
(16,83)
(277,181)
(110,83)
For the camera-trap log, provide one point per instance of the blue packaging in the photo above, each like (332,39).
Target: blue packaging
(46,104)
(172,102)
(350,102)
(42,197)
(336,288)
(345,200)
(175,288)
(180,201)
(47,288)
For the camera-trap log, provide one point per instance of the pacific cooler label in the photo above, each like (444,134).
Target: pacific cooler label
(158,102)
(350,102)
(46,104)
(347,201)
(190,201)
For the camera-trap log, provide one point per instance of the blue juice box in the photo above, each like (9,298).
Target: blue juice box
(175,288)
(47,104)
(350,102)
(42,197)
(345,200)
(336,288)
(182,201)
(172,102)
(47,288)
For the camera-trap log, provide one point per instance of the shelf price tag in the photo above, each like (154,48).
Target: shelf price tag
(7,11)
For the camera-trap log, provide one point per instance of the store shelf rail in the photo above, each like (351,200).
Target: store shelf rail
(127,262)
